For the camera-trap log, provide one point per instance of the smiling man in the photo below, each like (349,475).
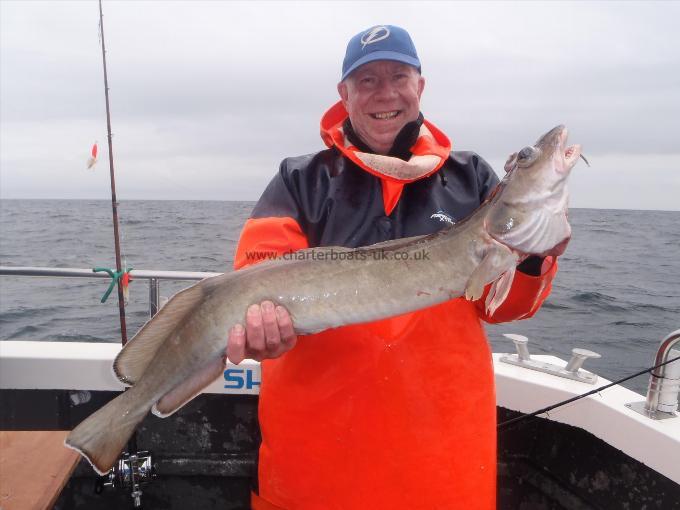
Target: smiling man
(381,97)
(398,413)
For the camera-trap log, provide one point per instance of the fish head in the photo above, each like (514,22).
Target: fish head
(529,212)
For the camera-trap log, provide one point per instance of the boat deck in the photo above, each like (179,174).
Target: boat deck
(34,468)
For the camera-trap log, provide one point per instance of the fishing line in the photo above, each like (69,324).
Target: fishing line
(527,416)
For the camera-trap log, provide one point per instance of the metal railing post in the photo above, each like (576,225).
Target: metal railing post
(664,384)
(154,296)
(658,378)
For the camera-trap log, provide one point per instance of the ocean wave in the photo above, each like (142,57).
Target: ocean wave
(640,324)
(603,231)
(604,302)
(65,337)
(648,307)
(25,312)
(599,301)
(24,331)
(593,297)
(551,305)
(592,265)
(204,258)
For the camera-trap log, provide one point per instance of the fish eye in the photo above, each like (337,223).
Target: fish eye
(527,156)
(526,153)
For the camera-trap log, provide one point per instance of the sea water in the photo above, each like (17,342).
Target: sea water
(617,291)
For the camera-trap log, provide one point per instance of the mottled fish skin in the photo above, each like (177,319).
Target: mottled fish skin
(324,288)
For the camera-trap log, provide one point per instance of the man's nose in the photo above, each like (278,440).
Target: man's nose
(386,90)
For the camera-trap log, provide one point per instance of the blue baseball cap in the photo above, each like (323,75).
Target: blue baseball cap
(382,42)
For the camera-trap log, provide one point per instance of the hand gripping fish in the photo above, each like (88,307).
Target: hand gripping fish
(181,350)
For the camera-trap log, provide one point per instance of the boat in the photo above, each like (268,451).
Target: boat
(611,449)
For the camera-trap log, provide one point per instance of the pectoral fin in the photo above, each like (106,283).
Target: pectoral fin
(499,291)
(185,392)
(498,259)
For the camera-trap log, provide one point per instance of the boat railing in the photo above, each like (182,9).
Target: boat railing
(154,277)
(664,382)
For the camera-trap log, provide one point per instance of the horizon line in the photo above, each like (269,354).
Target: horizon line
(254,201)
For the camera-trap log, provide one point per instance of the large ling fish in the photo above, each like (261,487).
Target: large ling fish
(181,350)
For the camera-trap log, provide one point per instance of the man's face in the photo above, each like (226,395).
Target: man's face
(381,97)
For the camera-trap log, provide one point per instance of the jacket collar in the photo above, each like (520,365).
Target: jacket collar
(401,148)
(428,153)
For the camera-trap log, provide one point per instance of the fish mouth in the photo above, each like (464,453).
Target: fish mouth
(571,153)
(557,138)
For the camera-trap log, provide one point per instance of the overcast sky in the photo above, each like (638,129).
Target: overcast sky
(208,97)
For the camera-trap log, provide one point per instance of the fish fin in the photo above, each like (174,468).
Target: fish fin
(499,291)
(475,285)
(102,436)
(133,359)
(497,260)
(184,392)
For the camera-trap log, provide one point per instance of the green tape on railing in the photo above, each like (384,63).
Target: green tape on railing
(115,277)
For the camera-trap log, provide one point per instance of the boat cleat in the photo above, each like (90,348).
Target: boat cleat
(571,371)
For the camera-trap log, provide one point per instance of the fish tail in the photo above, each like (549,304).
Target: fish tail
(102,436)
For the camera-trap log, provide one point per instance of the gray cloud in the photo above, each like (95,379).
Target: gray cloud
(208,97)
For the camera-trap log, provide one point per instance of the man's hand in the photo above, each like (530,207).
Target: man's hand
(268,334)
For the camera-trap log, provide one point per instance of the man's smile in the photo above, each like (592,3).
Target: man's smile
(385,115)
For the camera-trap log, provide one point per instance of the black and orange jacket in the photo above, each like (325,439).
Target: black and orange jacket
(398,413)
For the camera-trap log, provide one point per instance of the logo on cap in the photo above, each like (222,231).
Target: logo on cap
(374,35)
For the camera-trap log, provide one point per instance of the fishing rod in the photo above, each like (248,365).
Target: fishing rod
(114,202)
(132,443)
(513,421)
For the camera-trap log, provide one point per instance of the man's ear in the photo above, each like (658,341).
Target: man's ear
(421,86)
(342,90)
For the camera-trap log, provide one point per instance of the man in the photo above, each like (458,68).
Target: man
(398,413)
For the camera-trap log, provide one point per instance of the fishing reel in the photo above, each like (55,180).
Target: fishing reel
(133,471)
